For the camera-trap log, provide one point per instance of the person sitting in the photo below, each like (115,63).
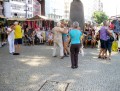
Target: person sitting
(33,37)
(88,40)
(86,34)
(93,41)
(43,35)
(50,39)
(39,35)
(28,36)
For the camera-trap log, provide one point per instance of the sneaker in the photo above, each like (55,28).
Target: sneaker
(99,57)
(66,56)
(76,66)
(73,67)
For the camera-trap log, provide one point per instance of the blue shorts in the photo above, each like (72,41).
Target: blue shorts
(65,39)
(18,41)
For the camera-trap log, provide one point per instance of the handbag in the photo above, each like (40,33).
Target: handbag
(111,38)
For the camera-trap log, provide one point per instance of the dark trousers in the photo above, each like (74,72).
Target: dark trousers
(109,45)
(74,49)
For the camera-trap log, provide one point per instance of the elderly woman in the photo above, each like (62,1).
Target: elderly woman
(75,36)
(50,39)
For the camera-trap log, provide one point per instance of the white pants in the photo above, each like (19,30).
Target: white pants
(11,45)
(40,38)
(56,45)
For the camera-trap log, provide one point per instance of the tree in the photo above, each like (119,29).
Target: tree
(99,16)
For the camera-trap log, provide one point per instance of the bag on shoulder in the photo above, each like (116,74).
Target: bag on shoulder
(111,38)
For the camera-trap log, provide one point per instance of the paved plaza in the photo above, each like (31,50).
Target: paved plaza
(36,70)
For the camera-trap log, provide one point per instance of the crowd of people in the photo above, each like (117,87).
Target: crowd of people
(69,40)
(78,39)
(22,34)
(38,36)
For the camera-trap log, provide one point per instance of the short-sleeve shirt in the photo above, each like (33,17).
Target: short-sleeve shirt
(75,36)
(18,32)
(11,35)
(103,33)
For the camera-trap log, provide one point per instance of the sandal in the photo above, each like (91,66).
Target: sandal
(103,57)
(99,57)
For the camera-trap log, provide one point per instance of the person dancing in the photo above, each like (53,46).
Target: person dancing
(75,35)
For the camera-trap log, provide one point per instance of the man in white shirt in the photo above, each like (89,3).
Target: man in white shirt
(10,33)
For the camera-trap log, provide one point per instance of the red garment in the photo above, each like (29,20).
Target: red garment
(112,26)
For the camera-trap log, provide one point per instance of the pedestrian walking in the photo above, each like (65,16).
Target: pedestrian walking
(18,38)
(10,33)
(75,35)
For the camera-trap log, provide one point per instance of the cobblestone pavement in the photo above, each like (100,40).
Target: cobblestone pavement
(36,70)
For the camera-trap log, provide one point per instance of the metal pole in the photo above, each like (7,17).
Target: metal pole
(54,10)
(26,10)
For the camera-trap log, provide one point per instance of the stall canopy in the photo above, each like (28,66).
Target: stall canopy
(16,19)
(38,17)
(1,16)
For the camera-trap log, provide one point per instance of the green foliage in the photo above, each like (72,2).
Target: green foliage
(99,17)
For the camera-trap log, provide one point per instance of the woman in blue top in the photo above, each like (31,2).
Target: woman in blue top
(65,41)
(75,36)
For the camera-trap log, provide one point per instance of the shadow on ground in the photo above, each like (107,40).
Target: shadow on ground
(35,66)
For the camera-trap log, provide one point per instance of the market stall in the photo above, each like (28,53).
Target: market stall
(12,20)
(41,22)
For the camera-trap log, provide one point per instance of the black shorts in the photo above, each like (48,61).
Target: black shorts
(103,44)
(18,41)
